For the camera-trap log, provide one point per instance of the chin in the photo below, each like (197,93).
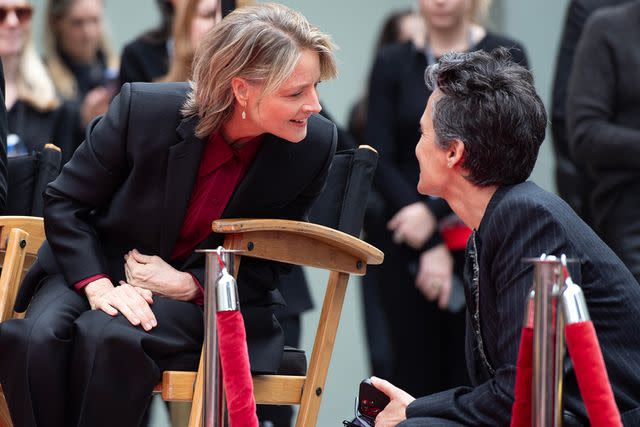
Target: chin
(294,137)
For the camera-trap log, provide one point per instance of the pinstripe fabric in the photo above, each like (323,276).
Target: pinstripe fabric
(525,221)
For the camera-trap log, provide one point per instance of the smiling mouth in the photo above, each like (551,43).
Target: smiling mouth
(299,122)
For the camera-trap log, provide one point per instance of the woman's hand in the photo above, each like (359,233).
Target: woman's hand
(395,411)
(132,302)
(435,275)
(95,103)
(153,273)
(413,225)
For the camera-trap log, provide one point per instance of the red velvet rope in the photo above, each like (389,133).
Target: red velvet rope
(591,374)
(236,371)
(521,411)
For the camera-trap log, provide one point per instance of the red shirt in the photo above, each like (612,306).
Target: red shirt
(221,170)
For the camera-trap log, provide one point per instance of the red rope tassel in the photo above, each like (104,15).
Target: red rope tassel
(236,371)
(591,374)
(521,411)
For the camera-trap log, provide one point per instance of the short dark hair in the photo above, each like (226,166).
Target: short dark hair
(489,103)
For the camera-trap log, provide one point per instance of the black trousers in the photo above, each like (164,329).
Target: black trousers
(66,365)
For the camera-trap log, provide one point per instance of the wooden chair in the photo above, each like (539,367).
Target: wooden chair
(306,244)
(20,239)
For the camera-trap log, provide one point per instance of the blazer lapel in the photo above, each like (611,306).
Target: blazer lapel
(182,169)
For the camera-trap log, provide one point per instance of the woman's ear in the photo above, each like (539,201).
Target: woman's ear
(240,89)
(455,153)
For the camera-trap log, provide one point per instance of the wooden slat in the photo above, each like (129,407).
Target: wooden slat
(336,239)
(322,349)
(268,389)
(31,224)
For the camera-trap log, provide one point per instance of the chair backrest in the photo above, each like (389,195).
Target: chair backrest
(20,239)
(342,203)
(27,178)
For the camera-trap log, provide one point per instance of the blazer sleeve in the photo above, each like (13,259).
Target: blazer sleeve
(86,183)
(595,139)
(534,232)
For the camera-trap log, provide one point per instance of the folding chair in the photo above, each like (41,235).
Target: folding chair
(342,206)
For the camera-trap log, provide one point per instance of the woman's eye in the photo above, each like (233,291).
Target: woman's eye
(293,95)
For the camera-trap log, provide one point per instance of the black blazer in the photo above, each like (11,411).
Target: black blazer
(129,184)
(526,221)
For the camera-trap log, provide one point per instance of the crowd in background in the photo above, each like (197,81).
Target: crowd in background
(51,97)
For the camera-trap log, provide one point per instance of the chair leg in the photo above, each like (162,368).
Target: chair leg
(5,418)
(320,359)
(195,420)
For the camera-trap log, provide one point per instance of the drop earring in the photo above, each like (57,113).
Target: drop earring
(244,115)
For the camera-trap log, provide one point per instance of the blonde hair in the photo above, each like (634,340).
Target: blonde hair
(63,78)
(184,51)
(258,43)
(34,85)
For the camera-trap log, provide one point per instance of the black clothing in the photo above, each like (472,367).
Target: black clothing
(87,76)
(536,222)
(4,130)
(144,60)
(604,125)
(572,182)
(129,187)
(36,128)
(428,356)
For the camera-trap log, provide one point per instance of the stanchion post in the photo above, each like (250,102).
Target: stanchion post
(214,410)
(548,342)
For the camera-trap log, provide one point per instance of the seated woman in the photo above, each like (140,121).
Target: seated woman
(36,116)
(113,295)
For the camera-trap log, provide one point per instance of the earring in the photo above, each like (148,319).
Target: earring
(244,115)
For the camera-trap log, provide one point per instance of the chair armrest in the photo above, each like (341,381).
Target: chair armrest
(298,242)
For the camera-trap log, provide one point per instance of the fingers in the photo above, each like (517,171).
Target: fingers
(141,258)
(132,305)
(384,386)
(104,306)
(144,293)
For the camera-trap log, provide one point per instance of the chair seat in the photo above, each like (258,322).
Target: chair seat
(294,362)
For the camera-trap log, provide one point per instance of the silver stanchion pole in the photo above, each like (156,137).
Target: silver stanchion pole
(214,408)
(548,342)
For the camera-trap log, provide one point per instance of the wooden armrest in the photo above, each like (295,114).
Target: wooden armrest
(31,224)
(298,242)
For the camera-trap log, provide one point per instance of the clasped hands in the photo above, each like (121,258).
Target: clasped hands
(413,225)
(147,275)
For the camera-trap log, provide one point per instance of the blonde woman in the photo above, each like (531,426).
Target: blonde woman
(36,115)
(114,297)
(78,56)
(423,243)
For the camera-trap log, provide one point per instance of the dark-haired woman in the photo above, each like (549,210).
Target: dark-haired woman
(423,243)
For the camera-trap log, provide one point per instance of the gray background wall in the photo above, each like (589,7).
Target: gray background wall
(354,25)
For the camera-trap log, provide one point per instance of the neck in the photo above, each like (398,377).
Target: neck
(469,201)
(454,39)
(11,66)
(238,131)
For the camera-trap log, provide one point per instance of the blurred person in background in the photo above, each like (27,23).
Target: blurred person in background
(572,182)
(78,55)
(399,27)
(603,111)
(36,116)
(194,18)
(423,241)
